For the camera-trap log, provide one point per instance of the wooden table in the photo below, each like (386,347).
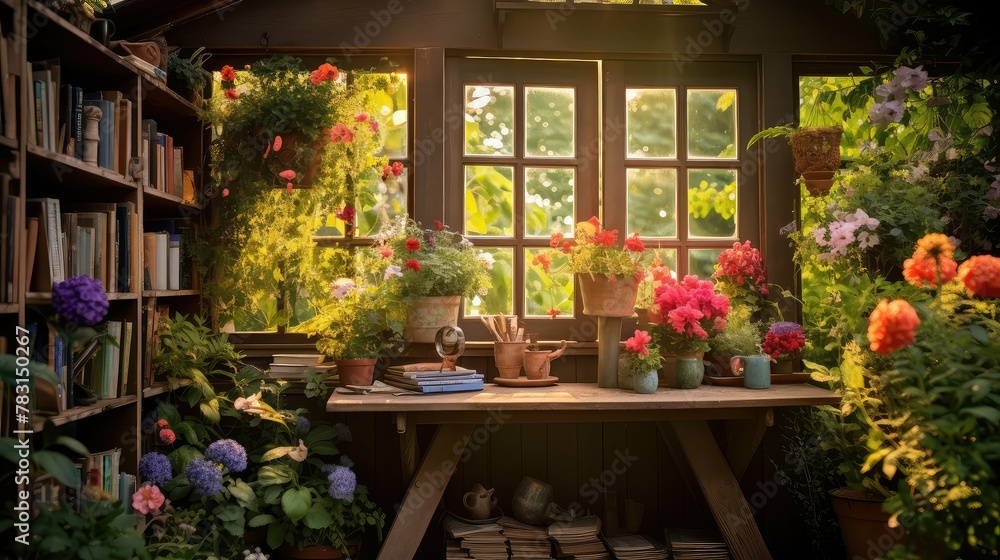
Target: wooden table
(681,417)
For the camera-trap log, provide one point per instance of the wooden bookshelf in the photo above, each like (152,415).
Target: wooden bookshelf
(66,172)
(7,308)
(159,202)
(8,142)
(101,406)
(170,293)
(165,102)
(57,37)
(46,297)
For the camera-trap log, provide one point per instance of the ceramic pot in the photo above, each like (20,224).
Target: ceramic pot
(532,502)
(863,524)
(690,372)
(355,372)
(645,382)
(426,315)
(785,364)
(509,357)
(756,370)
(537,362)
(603,297)
(317,551)
(480,502)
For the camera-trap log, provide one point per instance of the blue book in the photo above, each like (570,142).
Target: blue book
(60,369)
(454,388)
(105,148)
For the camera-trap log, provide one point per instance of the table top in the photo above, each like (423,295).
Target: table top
(585,397)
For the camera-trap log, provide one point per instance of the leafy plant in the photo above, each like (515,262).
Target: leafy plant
(358,324)
(190,70)
(740,336)
(639,356)
(99,531)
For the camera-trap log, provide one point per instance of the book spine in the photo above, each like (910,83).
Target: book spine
(39,126)
(78,122)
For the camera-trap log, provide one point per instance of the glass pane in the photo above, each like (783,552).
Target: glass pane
(388,107)
(548,121)
(548,286)
(489,200)
(389,191)
(711,125)
(651,122)
(652,202)
(548,201)
(499,298)
(667,256)
(701,262)
(712,203)
(489,120)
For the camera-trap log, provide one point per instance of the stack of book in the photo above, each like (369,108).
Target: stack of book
(690,544)
(296,366)
(166,250)
(526,542)
(637,547)
(579,539)
(483,541)
(412,378)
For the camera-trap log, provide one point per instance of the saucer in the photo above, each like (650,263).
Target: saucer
(525,382)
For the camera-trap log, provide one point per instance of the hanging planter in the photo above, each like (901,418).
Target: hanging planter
(293,151)
(818,183)
(816,148)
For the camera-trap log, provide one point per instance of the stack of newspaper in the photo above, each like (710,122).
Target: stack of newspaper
(637,547)
(689,544)
(483,541)
(579,539)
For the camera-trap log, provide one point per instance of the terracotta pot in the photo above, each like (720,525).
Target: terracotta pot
(816,148)
(818,182)
(604,297)
(317,551)
(509,357)
(426,315)
(355,372)
(863,524)
(537,362)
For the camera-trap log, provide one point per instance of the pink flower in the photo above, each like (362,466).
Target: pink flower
(386,252)
(638,342)
(232,94)
(373,126)
(147,498)
(277,143)
(347,214)
(361,117)
(168,436)
(289,188)
(225,192)
(162,422)
(397,168)
(340,133)
(287,175)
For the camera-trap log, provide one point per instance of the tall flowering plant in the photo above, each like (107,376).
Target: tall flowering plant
(595,250)
(689,312)
(741,276)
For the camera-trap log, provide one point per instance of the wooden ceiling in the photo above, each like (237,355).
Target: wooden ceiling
(137,19)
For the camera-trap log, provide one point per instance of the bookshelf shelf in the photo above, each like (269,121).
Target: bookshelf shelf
(162,387)
(8,142)
(163,203)
(68,172)
(101,406)
(46,297)
(170,293)
(164,102)
(6,308)
(58,37)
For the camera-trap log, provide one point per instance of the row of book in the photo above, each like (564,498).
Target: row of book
(94,239)
(166,255)
(509,538)
(11,229)
(8,89)
(415,377)
(100,478)
(163,168)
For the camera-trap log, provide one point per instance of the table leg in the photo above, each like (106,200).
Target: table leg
(721,490)
(609,332)
(744,437)
(408,452)
(425,491)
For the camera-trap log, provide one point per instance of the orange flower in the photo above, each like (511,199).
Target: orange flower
(554,312)
(340,133)
(324,73)
(981,276)
(232,93)
(892,325)
(935,244)
(228,73)
(555,240)
(923,271)
(543,259)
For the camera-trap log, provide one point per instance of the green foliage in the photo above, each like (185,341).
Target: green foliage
(100,531)
(358,325)
(190,70)
(740,336)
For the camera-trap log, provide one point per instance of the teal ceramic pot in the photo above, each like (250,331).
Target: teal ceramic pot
(646,382)
(690,372)
(756,370)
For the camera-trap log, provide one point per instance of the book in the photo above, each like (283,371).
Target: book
(124,139)
(109,252)
(177,181)
(112,361)
(174,262)
(188,193)
(41,101)
(78,122)
(149,261)
(424,374)
(162,249)
(154,72)
(49,259)
(476,378)
(67,142)
(148,341)
(294,368)
(8,101)
(448,388)
(126,357)
(299,359)
(99,222)
(105,147)
(149,151)
(126,228)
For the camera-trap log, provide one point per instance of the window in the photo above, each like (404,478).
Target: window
(530,161)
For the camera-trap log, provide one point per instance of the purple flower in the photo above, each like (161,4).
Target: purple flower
(887,112)
(155,468)
(343,432)
(81,300)
(784,328)
(302,425)
(342,483)
(205,476)
(228,452)
(911,78)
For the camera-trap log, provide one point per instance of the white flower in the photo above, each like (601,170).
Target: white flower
(887,112)
(299,453)
(914,79)
(889,91)
(487,259)
(250,405)
(341,287)
(919,172)
(392,270)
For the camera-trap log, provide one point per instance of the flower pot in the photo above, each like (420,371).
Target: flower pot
(645,382)
(816,148)
(317,551)
(509,357)
(355,372)
(863,524)
(426,315)
(818,182)
(690,371)
(607,297)
(78,16)
(784,364)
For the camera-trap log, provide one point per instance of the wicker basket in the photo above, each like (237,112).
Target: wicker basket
(816,148)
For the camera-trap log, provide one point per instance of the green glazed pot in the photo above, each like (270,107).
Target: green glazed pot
(645,382)
(690,372)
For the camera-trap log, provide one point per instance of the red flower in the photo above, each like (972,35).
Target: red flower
(228,73)
(543,259)
(347,214)
(412,244)
(340,133)
(373,126)
(438,225)
(324,73)
(892,325)
(554,312)
(981,276)
(361,117)
(397,168)
(922,270)
(555,240)
(225,192)
(566,247)
(287,174)
(386,171)
(638,342)
(162,422)
(634,244)
(231,93)
(413,264)
(168,436)
(608,238)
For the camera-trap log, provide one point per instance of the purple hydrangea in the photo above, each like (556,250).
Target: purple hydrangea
(155,468)
(302,425)
(231,454)
(785,327)
(343,432)
(80,300)
(342,483)
(205,476)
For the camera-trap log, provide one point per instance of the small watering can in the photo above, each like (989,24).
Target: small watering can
(536,362)
(480,502)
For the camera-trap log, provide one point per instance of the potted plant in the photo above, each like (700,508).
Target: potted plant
(689,312)
(740,337)
(653,278)
(784,342)
(431,270)
(188,75)
(355,326)
(99,529)
(80,13)
(815,152)
(638,365)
